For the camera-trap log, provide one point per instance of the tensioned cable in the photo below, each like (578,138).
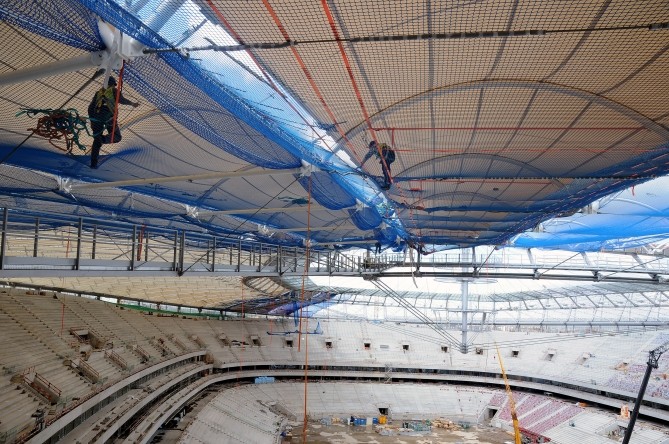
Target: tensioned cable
(81,88)
(415,311)
(302,303)
(407,37)
(270,82)
(391,327)
(502,344)
(239,226)
(576,336)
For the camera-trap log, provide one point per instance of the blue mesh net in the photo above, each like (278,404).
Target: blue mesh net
(327,191)
(234,114)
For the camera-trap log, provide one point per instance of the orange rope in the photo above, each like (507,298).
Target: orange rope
(271,83)
(310,78)
(306,322)
(116,100)
(372,131)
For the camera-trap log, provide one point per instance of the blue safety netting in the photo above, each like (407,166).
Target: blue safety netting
(327,191)
(224,111)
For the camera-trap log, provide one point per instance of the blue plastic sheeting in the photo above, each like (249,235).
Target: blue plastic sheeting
(264,380)
(327,191)
(642,210)
(293,307)
(365,218)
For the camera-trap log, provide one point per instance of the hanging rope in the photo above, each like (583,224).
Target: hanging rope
(116,100)
(63,105)
(302,303)
(61,127)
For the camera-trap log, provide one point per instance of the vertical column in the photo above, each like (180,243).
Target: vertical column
(464,289)
(182,253)
(77,260)
(36,240)
(132,247)
(213,255)
(146,245)
(279,259)
(239,256)
(3,239)
(175,251)
(95,240)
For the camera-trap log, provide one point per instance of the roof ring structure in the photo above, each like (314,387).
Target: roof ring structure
(626,111)
(414,172)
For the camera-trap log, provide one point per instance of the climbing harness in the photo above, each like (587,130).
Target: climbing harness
(58,126)
(104,98)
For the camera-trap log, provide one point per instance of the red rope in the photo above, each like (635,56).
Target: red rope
(311,80)
(363,108)
(271,83)
(306,322)
(118,97)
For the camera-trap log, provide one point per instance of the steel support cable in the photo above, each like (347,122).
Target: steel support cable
(451,339)
(554,339)
(81,88)
(557,265)
(416,312)
(363,108)
(302,306)
(310,78)
(406,37)
(634,267)
(391,327)
(208,250)
(271,83)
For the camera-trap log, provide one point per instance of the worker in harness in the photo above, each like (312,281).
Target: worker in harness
(386,157)
(101,113)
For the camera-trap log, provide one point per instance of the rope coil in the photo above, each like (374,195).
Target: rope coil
(58,126)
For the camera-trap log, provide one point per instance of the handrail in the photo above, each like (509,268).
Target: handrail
(116,358)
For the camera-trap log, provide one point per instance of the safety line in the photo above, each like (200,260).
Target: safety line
(271,83)
(302,65)
(410,38)
(347,64)
(306,262)
(311,80)
(363,108)
(84,86)
(116,100)
(306,322)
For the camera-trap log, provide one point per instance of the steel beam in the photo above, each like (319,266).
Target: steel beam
(191,177)
(85,61)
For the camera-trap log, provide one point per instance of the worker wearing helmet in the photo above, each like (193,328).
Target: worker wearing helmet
(386,157)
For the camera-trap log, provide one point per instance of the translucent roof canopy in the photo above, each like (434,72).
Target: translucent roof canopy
(255,119)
